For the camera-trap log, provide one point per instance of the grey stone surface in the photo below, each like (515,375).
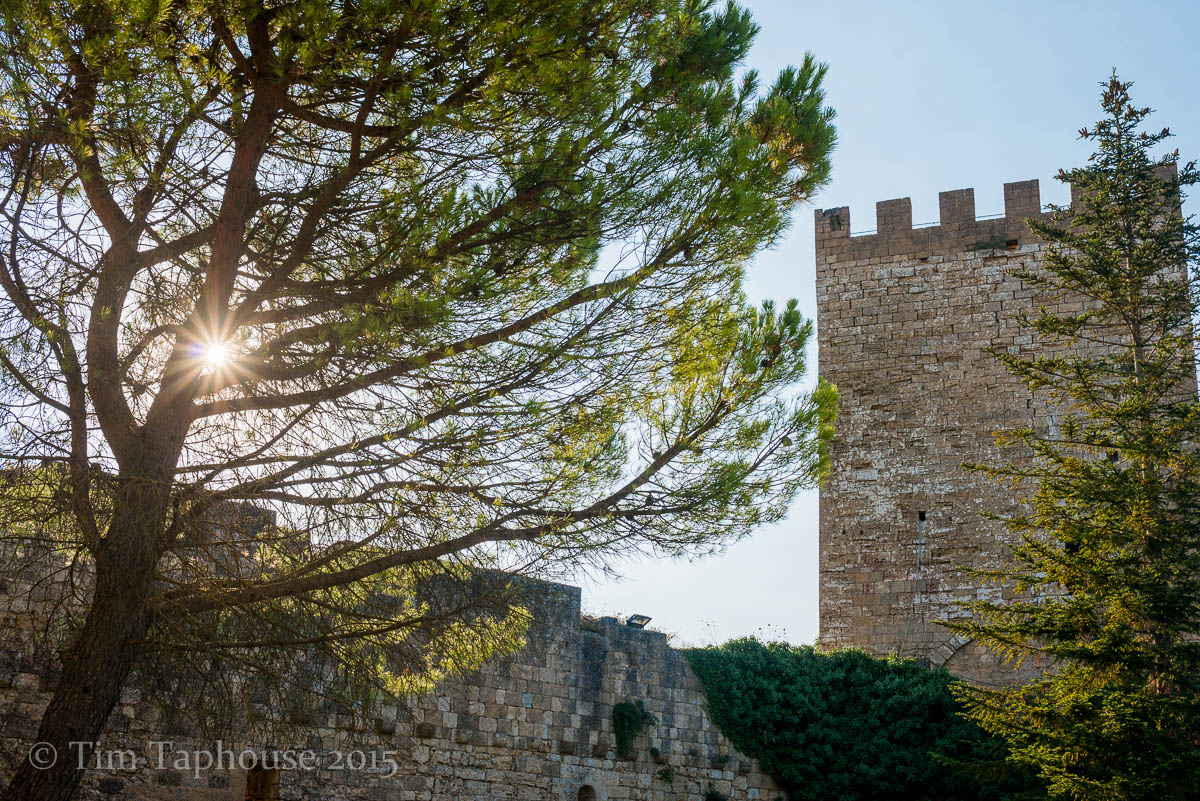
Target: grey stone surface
(532,725)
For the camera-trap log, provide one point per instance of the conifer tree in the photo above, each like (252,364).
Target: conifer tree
(1106,571)
(448,285)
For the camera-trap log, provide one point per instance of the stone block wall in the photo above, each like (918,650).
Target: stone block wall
(904,317)
(533,726)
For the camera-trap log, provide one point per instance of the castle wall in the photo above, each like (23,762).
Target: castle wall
(904,316)
(534,726)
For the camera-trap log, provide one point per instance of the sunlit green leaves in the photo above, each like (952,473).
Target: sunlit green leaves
(479,268)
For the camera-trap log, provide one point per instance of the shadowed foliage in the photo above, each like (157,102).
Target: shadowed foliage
(846,725)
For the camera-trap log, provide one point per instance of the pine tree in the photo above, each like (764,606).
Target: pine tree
(448,285)
(1107,566)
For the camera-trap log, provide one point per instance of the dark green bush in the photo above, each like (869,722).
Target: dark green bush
(844,725)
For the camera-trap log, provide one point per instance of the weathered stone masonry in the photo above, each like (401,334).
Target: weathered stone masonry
(904,316)
(534,726)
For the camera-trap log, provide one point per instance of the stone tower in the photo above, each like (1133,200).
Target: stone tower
(904,316)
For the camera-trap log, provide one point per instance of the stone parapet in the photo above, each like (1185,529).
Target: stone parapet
(957,230)
(536,724)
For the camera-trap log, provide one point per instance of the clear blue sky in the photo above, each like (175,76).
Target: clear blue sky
(930,96)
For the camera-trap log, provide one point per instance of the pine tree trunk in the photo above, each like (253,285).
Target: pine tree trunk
(96,666)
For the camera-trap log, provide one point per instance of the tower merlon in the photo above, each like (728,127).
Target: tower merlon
(956,207)
(894,216)
(1022,200)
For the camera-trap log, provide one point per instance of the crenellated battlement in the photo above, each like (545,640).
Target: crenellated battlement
(958,229)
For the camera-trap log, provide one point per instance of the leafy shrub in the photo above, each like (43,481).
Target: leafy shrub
(849,726)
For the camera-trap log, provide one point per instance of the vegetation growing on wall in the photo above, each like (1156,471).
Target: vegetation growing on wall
(846,725)
(629,718)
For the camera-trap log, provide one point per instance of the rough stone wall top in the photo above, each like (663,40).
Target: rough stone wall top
(958,229)
(532,726)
